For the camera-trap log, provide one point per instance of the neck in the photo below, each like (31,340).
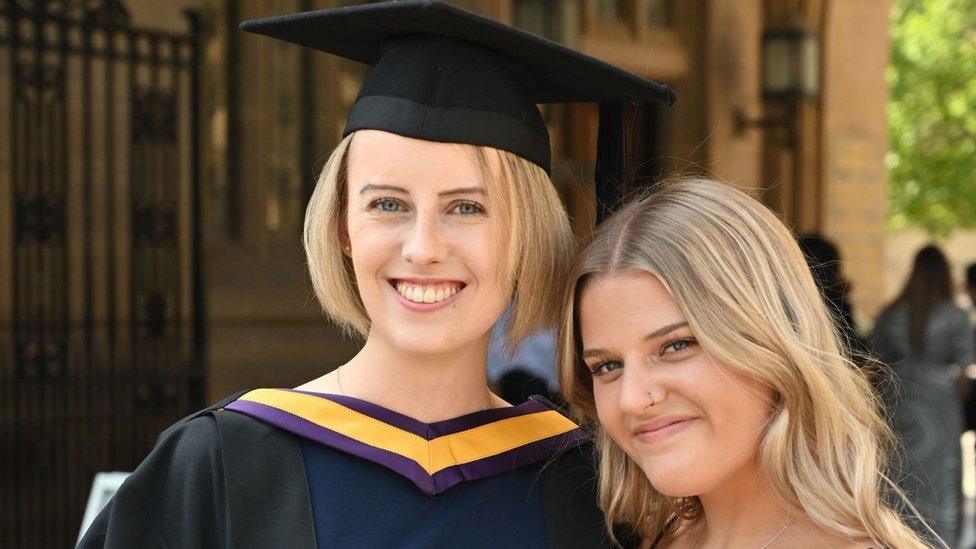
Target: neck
(426,387)
(745,512)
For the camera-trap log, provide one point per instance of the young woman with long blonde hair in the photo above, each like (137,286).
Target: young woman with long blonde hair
(730,414)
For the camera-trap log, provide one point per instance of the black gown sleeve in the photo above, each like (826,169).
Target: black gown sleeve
(173,499)
(214,479)
(569,499)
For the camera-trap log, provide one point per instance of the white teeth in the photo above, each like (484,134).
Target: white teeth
(426,294)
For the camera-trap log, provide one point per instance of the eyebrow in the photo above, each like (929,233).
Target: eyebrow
(379,187)
(463,190)
(663,330)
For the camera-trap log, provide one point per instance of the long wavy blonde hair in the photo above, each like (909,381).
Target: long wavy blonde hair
(741,281)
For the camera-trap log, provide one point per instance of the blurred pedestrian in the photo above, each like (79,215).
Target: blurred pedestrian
(971,282)
(922,335)
(970,384)
(529,370)
(824,261)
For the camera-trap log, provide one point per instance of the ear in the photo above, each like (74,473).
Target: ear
(344,244)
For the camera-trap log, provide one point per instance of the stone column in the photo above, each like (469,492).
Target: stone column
(855,141)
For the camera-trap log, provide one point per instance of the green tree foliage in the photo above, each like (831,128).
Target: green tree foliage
(932,115)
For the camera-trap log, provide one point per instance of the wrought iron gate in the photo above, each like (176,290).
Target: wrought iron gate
(101,319)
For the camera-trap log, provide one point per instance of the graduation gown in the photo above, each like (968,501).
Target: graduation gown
(287,468)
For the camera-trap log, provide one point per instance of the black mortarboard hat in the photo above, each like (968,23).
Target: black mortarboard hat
(441,73)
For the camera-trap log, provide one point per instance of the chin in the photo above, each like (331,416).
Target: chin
(675,476)
(426,340)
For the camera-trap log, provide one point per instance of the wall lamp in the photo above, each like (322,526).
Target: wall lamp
(790,73)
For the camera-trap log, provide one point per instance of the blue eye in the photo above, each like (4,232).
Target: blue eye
(469,208)
(386,205)
(605,367)
(677,346)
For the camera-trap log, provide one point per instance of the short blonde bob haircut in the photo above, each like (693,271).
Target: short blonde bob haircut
(537,241)
(741,281)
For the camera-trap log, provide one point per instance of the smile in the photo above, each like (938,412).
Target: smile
(658,431)
(426,292)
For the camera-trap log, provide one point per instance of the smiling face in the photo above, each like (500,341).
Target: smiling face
(424,240)
(706,422)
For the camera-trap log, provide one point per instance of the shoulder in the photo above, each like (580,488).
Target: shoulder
(207,467)
(946,317)
(568,485)
(184,466)
(208,437)
(577,460)
(888,314)
(195,437)
(198,446)
(956,314)
(805,533)
(191,440)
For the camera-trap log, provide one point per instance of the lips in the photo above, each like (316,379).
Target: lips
(662,427)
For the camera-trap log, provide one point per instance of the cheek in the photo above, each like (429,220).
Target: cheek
(610,415)
(734,411)
(483,256)
(741,419)
(371,251)
(365,235)
(739,406)
(604,408)
(737,417)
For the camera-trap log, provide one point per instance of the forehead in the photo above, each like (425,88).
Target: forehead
(626,305)
(380,157)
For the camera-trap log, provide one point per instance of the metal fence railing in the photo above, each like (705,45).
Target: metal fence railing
(101,319)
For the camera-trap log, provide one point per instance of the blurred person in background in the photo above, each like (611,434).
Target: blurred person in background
(529,370)
(970,383)
(971,283)
(824,261)
(923,336)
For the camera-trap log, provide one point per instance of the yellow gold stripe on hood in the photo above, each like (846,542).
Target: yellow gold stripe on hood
(433,455)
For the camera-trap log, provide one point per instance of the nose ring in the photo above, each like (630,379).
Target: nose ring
(650,396)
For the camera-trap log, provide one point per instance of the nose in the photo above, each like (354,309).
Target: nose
(639,389)
(425,242)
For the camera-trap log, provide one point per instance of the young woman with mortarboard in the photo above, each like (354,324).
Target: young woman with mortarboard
(433,214)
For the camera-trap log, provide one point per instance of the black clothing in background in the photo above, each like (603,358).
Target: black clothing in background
(823,258)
